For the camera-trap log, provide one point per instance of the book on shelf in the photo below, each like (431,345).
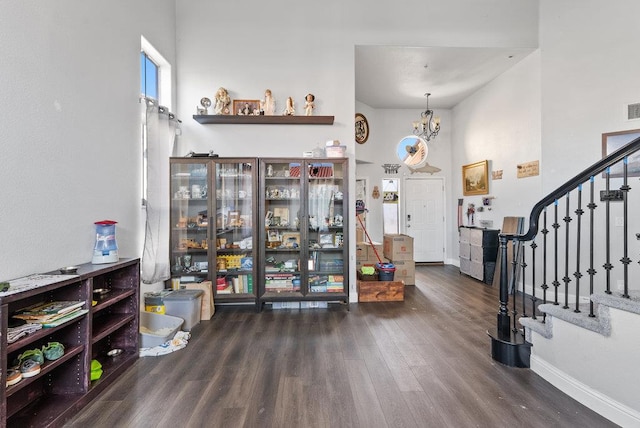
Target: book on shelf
(56,307)
(48,312)
(235,285)
(68,317)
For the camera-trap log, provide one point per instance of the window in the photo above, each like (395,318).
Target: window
(148,77)
(155,84)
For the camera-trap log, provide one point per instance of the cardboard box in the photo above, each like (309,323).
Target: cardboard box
(398,247)
(405,271)
(207,306)
(365,251)
(380,291)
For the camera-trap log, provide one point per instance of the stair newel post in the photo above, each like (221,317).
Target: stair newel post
(504,321)
(625,234)
(592,206)
(507,346)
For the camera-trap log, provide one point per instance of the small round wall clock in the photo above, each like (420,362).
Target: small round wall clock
(362,128)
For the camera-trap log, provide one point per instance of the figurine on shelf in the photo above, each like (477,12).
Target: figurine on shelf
(309,104)
(268,105)
(222,101)
(471,211)
(289,110)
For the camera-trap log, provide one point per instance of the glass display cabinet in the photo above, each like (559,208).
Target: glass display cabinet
(212,219)
(189,219)
(235,238)
(304,253)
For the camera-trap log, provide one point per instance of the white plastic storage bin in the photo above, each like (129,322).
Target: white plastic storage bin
(185,304)
(156,329)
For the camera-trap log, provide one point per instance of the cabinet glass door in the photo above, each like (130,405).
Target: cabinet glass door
(326,216)
(282,240)
(189,220)
(234,238)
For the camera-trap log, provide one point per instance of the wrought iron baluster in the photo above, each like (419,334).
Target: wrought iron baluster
(592,206)
(523,266)
(513,286)
(545,231)
(625,238)
(566,279)
(556,225)
(534,299)
(607,264)
(577,273)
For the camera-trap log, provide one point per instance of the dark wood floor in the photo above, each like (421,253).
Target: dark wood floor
(424,362)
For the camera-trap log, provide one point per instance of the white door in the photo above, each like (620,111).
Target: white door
(424,217)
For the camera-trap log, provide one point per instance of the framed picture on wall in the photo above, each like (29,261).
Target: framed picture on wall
(612,141)
(246,107)
(475,178)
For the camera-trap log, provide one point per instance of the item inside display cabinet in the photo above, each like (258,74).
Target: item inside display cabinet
(234,284)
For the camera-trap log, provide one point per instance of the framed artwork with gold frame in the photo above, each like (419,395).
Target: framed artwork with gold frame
(475,178)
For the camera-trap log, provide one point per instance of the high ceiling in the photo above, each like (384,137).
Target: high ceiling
(396,77)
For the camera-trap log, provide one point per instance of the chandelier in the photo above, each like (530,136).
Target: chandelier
(428,126)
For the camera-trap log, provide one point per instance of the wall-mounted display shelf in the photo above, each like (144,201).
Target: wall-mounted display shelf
(263,120)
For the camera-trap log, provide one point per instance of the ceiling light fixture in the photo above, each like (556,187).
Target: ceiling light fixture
(428,126)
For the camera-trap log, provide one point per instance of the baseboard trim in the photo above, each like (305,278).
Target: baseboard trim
(596,401)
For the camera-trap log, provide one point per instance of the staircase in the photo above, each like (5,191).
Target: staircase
(568,309)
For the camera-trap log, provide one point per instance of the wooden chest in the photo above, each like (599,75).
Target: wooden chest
(380,291)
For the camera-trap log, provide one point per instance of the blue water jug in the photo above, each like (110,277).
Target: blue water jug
(106,248)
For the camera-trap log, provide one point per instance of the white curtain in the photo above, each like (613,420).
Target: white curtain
(159,129)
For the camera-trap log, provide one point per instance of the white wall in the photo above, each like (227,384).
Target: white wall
(70,128)
(387,128)
(250,46)
(589,74)
(501,123)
